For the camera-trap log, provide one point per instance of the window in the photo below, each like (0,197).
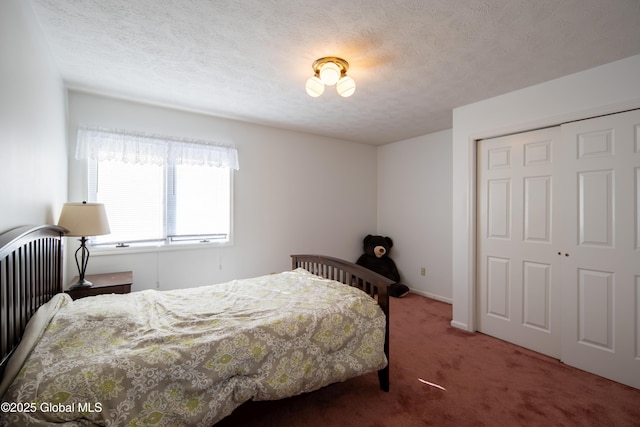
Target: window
(159,189)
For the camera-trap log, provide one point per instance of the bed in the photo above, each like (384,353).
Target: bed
(186,357)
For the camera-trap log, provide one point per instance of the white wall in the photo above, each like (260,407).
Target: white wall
(414,209)
(33,160)
(294,193)
(606,89)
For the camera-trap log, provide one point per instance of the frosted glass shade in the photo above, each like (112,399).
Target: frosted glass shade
(314,87)
(346,86)
(330,73)
(84,219)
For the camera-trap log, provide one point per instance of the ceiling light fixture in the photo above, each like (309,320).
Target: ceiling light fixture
(329,71)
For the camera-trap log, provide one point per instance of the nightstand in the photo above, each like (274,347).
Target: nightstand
(108,283)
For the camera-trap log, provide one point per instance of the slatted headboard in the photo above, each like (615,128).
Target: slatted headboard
(30,275)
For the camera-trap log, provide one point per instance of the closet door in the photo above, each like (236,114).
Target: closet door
(601,254)
(517,242)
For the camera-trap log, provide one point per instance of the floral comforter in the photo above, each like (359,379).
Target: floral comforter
(190,357)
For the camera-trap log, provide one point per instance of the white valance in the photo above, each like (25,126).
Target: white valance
(140,148)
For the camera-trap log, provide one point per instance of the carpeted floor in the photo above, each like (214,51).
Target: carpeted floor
(441,376)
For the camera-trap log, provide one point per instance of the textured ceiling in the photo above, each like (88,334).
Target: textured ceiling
(413,60)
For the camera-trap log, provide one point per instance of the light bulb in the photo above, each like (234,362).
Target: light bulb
(314,87)
(346,86)
(330,73)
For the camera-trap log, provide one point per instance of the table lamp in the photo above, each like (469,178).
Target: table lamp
(82,220)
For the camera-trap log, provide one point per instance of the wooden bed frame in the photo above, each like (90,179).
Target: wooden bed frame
(31,274)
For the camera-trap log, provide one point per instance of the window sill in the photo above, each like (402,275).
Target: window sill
(155,248)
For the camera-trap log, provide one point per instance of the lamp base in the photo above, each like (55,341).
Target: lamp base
(81,284)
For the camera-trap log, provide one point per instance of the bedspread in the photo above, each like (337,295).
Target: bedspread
(189,357)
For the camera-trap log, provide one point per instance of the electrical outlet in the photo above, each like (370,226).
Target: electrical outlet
(423,271)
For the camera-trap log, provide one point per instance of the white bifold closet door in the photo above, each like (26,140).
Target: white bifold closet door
(518,266)
(600,283)
(558,245)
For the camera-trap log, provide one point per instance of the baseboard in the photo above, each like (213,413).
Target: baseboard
(432,296)
(460,325)
(457,325)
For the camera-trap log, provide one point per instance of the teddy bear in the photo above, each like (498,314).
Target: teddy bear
(376,258)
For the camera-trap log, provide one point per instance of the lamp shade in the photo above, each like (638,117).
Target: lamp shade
(330,73)
(314,87)
(84,219)
(346,86)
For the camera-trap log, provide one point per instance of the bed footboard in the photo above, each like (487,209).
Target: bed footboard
(352,274)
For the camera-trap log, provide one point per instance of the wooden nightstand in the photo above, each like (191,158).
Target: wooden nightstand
(108,283)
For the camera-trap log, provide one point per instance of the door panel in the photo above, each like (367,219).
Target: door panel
(498,284)
(537,291)
(600,276)
(517,257)
(537,209)
(595,208)
(499,206)
(595,308)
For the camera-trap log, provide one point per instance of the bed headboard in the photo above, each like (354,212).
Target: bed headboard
(30,275)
